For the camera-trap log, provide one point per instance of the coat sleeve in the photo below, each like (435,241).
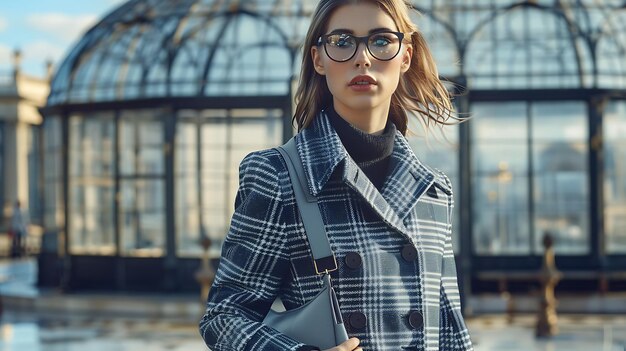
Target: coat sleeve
(253,262)
(453,334)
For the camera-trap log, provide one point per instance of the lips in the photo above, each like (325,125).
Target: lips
(362,80)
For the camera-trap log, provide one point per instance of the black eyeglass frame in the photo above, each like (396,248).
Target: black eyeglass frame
(365,39)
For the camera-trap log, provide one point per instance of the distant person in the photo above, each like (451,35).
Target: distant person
(18,228)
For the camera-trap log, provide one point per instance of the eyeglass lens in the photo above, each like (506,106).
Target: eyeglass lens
(383,46)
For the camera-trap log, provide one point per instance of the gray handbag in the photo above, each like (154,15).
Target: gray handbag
(318,322)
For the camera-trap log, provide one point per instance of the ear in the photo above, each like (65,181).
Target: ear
(317,60)
(407,55)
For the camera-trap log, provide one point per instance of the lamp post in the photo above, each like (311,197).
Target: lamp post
(206,273)
(502,176)
(547,318)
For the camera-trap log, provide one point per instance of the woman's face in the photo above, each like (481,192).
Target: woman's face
(360,20)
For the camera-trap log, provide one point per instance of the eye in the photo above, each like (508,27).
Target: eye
(341,40)
(382,39)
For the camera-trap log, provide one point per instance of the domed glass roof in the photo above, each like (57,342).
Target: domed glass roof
(160,48)
(535,44)
(198,48)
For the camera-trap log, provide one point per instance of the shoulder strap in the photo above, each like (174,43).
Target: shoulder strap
(323,256)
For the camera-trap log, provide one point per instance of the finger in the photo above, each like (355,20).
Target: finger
(350,344)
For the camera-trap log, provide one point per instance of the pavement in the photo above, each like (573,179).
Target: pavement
(576,333)
(47,320)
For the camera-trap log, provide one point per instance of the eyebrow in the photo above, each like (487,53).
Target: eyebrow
(350,31)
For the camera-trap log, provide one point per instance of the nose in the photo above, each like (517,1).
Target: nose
(362,56)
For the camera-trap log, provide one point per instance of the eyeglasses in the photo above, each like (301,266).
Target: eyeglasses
(341,47)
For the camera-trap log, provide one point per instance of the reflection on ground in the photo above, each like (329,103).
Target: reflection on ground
(577,333)
(26,332)
(75,332)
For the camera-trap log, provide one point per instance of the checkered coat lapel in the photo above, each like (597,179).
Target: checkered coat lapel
(321,151)
(389,302)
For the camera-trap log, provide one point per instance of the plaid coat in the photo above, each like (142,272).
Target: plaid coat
(396,282)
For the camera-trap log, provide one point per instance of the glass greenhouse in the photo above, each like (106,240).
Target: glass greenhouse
(151,112)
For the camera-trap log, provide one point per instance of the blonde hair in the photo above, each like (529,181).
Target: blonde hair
(420,90)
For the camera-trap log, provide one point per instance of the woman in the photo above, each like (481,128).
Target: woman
(387,215)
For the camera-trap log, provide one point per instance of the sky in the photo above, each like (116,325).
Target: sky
(45,29)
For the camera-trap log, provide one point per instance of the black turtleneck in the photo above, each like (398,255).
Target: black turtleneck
(371,152)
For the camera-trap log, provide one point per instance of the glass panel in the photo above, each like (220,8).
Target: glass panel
(500,181)
(440,41)
(615,177)
(225,137)
(263,133)
(611,58)
(141,144)
(262,68)
(526,48)
(187,192)
(217,200)
(561,195)
(54,206)
(142,219)
(222,147)
(439,148)
(91,184)
(142,192)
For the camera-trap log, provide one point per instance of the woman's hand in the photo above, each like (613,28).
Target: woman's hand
(349,345)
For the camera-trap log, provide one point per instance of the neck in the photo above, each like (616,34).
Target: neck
(369,120)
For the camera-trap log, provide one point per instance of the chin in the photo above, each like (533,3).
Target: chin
(360,101)
(363,103)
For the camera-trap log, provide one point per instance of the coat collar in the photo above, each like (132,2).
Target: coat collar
(321,152)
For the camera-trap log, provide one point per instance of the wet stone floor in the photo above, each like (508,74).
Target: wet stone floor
(576,333)
(26,332)
(53,333)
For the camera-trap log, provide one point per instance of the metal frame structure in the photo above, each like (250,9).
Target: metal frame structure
(212,54)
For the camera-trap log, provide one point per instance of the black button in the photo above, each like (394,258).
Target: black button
(353,260)
(409,253)
(357,320)
(416,320)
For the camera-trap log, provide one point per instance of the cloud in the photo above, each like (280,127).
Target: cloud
(5,53)
(42,51)
(65,27)
(3,24)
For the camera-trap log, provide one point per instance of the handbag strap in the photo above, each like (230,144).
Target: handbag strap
(323,256)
